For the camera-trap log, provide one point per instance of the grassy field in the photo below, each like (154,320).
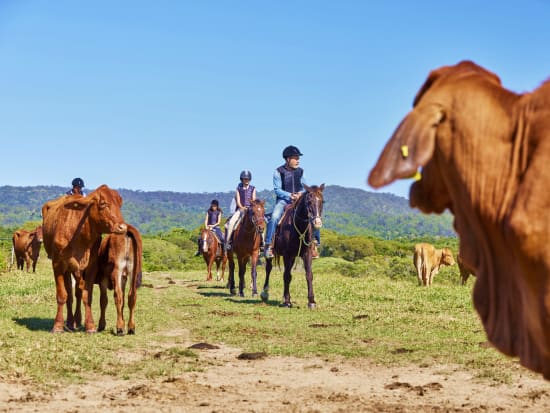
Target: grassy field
(390,321)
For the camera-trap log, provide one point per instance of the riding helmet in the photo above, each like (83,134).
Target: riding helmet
(78,182)
(215,202)
(246,174)
(291,151)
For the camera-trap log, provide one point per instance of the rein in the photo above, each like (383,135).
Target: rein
(309,219)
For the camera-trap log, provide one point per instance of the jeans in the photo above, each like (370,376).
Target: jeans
(276,215)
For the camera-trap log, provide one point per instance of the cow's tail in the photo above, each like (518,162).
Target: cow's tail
(138,253)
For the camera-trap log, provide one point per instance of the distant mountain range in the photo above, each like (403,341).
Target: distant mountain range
(350,211)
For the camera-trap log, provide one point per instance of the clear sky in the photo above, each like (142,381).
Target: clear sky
(183,95)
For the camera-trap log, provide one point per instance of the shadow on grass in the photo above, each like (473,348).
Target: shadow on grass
(239,300)
(35,324)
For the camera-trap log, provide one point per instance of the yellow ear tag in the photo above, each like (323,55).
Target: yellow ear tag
(405,151)
(75,205)
(417,176)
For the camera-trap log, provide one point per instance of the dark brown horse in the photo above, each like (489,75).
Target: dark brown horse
(212,251)
(294,238)
(247,238)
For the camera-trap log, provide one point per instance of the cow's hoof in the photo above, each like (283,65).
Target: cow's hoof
(119,332)
(286,305)
(241,294)
(131,331)
(91,331)
(57,330)
(255,294)
(311,306)
(233,292)
(264,296)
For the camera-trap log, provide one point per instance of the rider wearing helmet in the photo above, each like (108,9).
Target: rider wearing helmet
(288,183)
(244,195)
(212,222)
(77,185)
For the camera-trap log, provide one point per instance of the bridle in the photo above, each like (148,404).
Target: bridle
(256,221)
(312,203)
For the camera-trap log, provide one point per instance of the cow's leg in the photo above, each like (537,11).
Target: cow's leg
(132,298)
(287,277)
(224,262)
(61,297)
(231,278)
(86,285)
(78,300)
(118,292)
(309,278)
(268,267)
(34,264)
(210,263)
(242,270)
(103,301)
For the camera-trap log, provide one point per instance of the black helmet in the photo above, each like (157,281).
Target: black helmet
(246,174)
(78,182)
(215,202)
(291,151)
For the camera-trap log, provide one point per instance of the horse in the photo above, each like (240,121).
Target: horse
(212,251)
(294,238)
(247,238)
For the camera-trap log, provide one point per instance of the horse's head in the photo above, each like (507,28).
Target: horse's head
(256,214)
(205,234)
(313,199)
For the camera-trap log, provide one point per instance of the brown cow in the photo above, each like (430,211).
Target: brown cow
(484,153)
(26,247)
(120,257)
(72,226)
(428,260)
(465,272)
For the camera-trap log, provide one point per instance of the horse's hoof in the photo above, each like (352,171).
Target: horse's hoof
(241,294)
(131,331)
(264,296)
(119,332)
(311,306)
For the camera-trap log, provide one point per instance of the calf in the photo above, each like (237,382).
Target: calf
(120,257)
(26,247)
(428,260)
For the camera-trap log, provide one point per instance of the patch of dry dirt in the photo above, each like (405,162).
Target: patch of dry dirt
(287,384)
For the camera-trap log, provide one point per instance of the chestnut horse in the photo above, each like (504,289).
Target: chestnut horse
(247,238)
(212,251)
(294,238)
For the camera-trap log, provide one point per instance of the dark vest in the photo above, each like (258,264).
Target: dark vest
(245,194)
(213,216)
(291,179)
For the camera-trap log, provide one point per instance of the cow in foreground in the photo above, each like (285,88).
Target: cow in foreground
(72,227)
(484,153)
(428,260)
(120,257)
(26,247)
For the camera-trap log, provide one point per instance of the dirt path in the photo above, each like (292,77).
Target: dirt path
(286,384)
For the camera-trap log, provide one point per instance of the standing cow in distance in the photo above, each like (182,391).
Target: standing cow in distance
(465,272)
(484,152)
(120,258)
(428,260)
(26,247)
(72,226)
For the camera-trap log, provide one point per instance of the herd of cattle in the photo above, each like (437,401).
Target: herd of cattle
(71,232)
(484,152)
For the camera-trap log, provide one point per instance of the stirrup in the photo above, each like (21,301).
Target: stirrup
(269,252)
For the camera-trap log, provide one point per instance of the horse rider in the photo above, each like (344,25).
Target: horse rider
(245,194)
(212,222)
(288,184)
(77,185)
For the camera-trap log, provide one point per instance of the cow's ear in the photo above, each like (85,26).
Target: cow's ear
(322,187)
(411,146)
(78,204)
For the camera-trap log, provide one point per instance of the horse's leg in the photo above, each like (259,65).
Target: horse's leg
(287,277)
(242,270)
(309,278)
(209,266)
(268,267)
(231,278)
(253,273)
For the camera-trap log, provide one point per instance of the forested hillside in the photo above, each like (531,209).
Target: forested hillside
(350,211)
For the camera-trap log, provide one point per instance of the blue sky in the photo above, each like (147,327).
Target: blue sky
(183,95)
